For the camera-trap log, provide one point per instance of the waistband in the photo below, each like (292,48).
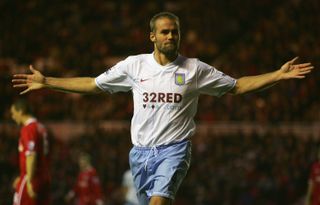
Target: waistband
(162,146)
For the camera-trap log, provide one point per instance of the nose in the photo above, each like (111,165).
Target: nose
(170,35)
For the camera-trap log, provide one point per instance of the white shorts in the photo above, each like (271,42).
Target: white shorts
(159,171)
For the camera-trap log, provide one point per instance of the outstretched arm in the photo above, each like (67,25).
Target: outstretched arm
(289,70)
(36,80)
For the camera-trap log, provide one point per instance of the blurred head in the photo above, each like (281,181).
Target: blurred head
(84,161)
(20,111)
(165,33)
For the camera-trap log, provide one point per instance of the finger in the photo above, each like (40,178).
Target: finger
(20,75)
(32,69)
(304,72)
(293,60)
(299,76)
(303,64)
(19,81)
(307,68)
(25,91)
(20,85)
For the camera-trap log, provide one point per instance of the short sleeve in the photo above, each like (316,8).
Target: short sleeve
(29,140)
(115,79)
(211,81)
(314,172)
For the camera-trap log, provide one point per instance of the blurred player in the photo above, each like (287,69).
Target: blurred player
(87,189)
(33,185)
(313,193)
(128,189)
(166,87)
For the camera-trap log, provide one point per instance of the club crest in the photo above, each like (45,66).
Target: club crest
(179,78)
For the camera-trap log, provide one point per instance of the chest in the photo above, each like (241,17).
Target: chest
(165,82)
(83,180)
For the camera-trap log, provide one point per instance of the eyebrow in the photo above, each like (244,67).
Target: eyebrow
(168,30)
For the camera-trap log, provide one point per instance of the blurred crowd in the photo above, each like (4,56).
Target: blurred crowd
(243,169)
(84,38)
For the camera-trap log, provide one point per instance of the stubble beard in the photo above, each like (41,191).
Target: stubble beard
(169,50)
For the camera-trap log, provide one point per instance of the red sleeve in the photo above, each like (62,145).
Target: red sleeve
(313,172)
(95,185)
(29,139)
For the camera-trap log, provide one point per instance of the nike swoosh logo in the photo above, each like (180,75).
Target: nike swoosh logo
(142,80)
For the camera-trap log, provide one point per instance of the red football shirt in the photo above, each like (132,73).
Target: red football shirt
(88,188)
(315,178)
(34,138)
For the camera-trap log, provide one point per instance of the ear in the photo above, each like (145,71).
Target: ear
(152,37)
(19,112)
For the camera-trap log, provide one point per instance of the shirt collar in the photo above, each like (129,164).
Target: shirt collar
(30,120)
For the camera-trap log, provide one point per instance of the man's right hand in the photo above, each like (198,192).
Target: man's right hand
(15,182)
(31,82)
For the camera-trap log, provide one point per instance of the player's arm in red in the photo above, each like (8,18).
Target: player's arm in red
(15,182)
(30,143)
(37,80)
(98,193)
(289,70)
(309,193)
(96,188)
(30,168)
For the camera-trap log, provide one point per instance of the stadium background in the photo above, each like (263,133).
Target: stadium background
(252,149)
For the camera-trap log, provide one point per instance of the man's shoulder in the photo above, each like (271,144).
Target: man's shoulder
(138,57)
(185,58)
(134,60)
(30,126)
(188,62)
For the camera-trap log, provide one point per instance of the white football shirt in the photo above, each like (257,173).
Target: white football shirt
(165,97)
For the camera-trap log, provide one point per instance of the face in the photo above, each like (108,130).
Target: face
(83,163)
(166,36)
(16,115)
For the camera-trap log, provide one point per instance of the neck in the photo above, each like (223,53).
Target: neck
(164,59)
(86,167)
(25,118)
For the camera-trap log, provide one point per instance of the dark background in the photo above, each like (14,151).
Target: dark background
(84,38)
